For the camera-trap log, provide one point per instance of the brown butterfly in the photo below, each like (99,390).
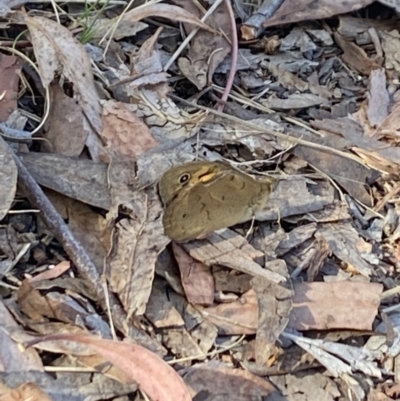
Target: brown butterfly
(201,197)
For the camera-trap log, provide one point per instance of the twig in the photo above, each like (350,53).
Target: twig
(252,103)
(190,36)
(71,246)
(15,134)
(234,52)
(114,28)
(47,92)
(393,192)
(254,25)
(258,130)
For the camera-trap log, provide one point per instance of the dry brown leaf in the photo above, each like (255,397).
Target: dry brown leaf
(72,385)
(136,245)
(157,379)
(79,179)
(196,278)
(355,56)
(295,101)
(238,317)
(378,98)
(274,305)
(159,309)
(293,11)
(89,227)
(294,238)
(205,335)
(127,136)
(167,121)
(207,49)
(59,347)
(146,66)
(348,173)
(335,305)
(226,248)
(308,387)
(28,391)
(15,358)
(55,272)
(32,303)
(221,382)
(8,178)
(181,343)
(321,251)
(66,128)
(59,307)
(10,67)
(386,159)
(168,11)
(296,195)
(287,79)
(231,281)
(315,306)
(351,26)
(390,125)
(374,153)
(57,50)
(390,46)
(348,246)
(121,28)
(335,212)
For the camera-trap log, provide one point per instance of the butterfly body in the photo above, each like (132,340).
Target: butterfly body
(215,196)
(186,176)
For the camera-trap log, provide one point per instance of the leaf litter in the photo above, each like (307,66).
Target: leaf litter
(301,303)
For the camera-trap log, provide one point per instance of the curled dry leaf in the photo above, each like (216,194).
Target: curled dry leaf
(196,278)
(169,11)
(237,317)
(274,305)
(13,357)
(355,56)
(10,68)
(207,50)
(27,391)
(137,243)
(293,11)
(56,49)
(348,246)
(157,379)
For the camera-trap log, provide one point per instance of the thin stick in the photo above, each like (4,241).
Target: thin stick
(47,92)
(267,131)
(393,192)
(234,53)
(190,36)
(71,246)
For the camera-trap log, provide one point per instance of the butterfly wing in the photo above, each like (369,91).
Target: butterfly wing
(225,199)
